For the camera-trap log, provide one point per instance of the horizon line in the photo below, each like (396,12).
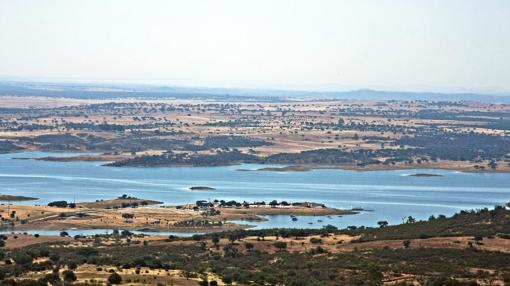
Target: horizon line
(324,88)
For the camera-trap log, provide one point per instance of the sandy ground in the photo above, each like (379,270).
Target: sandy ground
(106,214)
(22,240)
(89,273)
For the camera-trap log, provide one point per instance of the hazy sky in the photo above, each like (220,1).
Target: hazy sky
(440,45)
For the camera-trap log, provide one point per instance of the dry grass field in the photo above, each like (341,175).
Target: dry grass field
(368,135)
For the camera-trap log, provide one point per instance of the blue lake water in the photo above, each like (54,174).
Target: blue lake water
(391,195)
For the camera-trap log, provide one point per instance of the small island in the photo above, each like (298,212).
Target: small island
(201,188)
(424,175)
(11,198)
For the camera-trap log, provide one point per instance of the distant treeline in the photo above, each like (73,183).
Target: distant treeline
(429,146)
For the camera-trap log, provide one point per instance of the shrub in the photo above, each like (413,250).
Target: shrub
(319,250)
(69,276)
(280,245)
(315,240)
(59,204)
(504,235)
(114,278)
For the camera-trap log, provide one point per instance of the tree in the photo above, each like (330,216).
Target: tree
(58,204)
(315,240)
(215,238)
(406,243)
(72,265)
(410,219)
(114,278)
(319,250)
(506,278)
(69,276)
(374,275)
(54,257)
(232,237)
(126,233)
(127,216)
(227,279)
(52,279)
(23,259)
(273,203)
(187,274)
(249,246)
(330,228)
(382,223)
(281,245)
(203,282)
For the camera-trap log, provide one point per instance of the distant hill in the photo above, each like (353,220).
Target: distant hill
(111,91)
(430,96)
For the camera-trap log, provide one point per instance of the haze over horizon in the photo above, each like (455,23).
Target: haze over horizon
(440,46)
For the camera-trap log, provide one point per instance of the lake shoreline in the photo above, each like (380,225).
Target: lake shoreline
(134,214)
(372,168)
(446,165)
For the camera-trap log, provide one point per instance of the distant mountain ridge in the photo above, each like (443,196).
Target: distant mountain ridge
(115,90)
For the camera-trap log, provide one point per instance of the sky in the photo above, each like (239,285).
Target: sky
(418,45)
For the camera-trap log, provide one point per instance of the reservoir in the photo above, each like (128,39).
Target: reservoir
(389,195)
